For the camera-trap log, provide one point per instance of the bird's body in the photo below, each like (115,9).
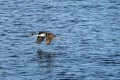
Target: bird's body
(44,35)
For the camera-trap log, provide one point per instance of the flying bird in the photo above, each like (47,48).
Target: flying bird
(44,35)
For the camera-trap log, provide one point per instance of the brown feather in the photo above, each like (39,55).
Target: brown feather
(49,38)
(39,39)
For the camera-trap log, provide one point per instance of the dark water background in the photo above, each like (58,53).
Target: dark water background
(90,45)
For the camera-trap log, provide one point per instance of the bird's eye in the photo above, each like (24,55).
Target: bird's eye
(32,34)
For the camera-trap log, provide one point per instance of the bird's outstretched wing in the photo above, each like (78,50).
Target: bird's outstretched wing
(49,37)
(39,39)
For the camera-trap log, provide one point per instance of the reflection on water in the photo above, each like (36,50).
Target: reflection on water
(46,62)
(91,37)
(44,56)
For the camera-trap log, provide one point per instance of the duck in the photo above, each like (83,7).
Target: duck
(48,36)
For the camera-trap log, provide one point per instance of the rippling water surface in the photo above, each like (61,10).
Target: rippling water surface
(90,45)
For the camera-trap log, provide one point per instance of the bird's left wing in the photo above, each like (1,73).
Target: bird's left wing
(39,39)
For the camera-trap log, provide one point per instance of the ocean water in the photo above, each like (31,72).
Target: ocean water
(89,48)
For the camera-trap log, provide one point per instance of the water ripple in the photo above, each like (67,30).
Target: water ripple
(89,48)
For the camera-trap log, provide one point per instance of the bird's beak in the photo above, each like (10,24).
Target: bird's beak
(31,35)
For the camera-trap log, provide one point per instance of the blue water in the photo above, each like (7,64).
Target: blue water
(89,48)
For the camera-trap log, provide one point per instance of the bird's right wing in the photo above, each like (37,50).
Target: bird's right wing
(49,37)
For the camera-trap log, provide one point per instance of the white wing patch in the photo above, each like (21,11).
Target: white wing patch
(42,35)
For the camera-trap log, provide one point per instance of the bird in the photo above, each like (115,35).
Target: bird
(44,35)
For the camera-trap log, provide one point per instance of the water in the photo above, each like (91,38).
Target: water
(90,45)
